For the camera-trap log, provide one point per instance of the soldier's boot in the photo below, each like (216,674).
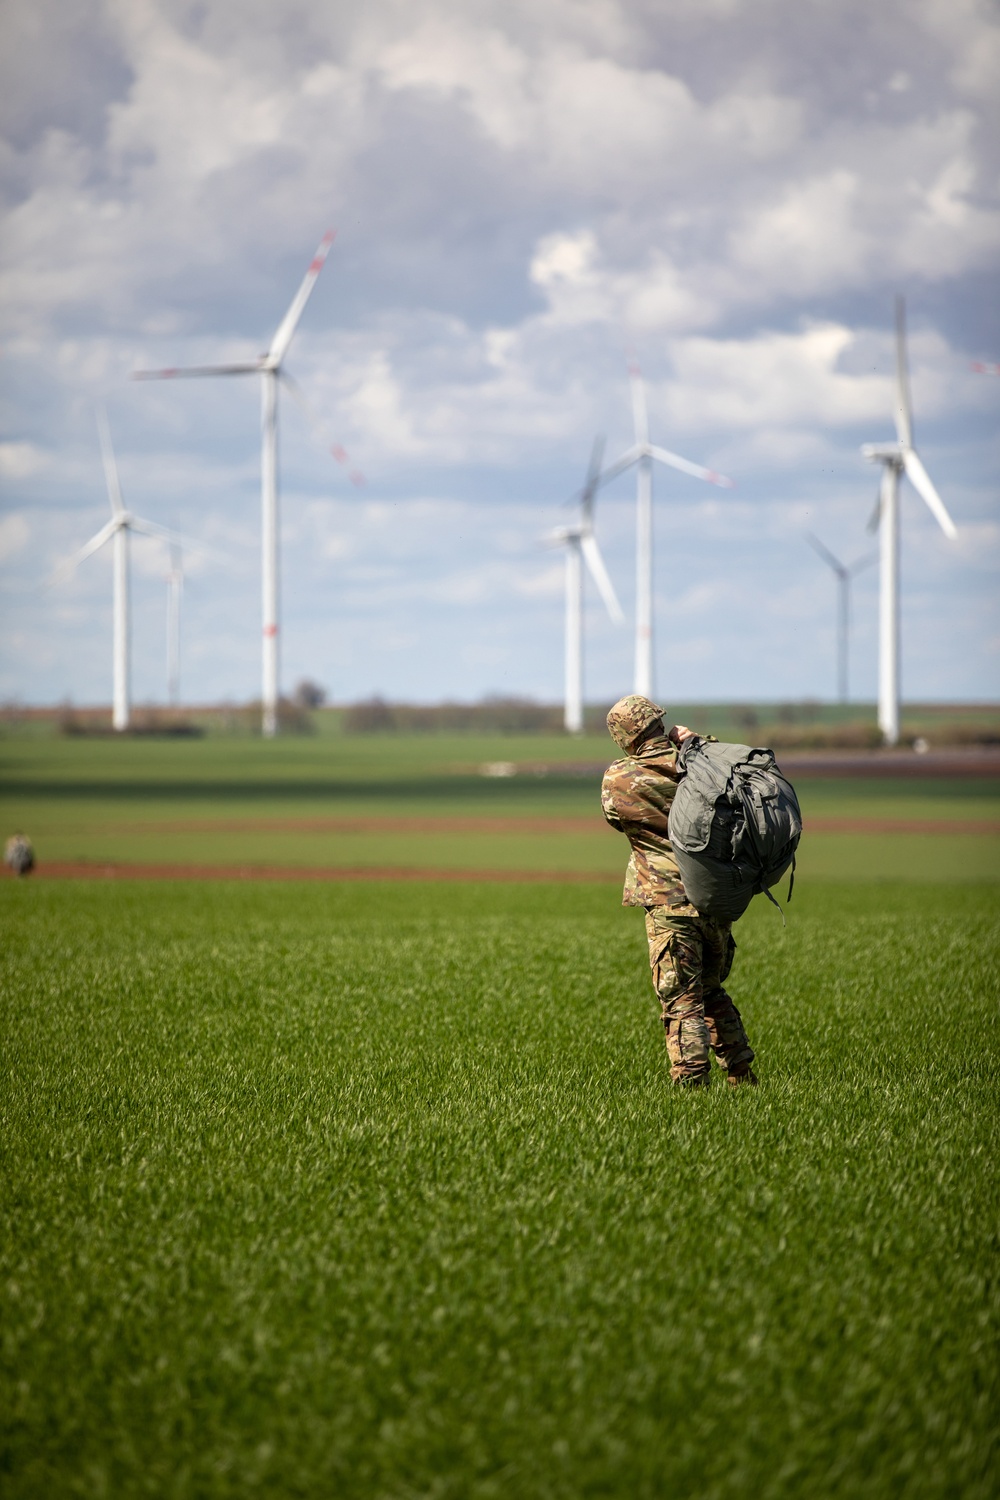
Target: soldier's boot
(692,1080)
(728,1039)
(687,1048)
(747,1076)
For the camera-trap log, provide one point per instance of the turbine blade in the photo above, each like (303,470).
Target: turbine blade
(640,413)
(687,467)
(921,481)
(599,573)
(196,372)
(632,456)
(874,520)
(110,463)
(593,480)
(301,400)
(66,569)
(288,324)
(318,425)
(863,563)
(827,556)
(177,542)
(150,528)
(904,412)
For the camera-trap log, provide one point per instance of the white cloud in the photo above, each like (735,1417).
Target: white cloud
(807,240)
(479,66)
(14,535)
(563,258)
(20,460)
(580,289)
(775,380)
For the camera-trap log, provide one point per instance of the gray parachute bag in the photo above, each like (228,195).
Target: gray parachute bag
(735,825)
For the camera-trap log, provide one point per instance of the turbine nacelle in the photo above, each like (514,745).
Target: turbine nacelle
(883,453)
(565,535)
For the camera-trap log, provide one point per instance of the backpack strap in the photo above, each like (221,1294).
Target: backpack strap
(770,898)
(791,880)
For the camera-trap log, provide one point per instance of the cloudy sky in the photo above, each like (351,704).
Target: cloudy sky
(523,192)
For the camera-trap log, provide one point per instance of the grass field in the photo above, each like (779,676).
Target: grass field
(380,802)
(377,1190)
(323,1190)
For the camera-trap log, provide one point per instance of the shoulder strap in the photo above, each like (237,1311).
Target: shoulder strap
(770,898)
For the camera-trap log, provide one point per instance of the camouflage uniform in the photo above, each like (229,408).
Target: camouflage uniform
(689,955)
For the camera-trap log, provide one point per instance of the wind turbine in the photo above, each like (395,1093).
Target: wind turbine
(642,454)
(270,369)
(844,573)
(581,547)
(117,532)
(896,459)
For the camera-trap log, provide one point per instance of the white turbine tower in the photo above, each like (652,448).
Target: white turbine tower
(581,547)
(896,459)
(844,572)
(269,367)
(117,532)
(175,595)
(643,453)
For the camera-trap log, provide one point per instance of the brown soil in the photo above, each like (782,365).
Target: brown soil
(902,825)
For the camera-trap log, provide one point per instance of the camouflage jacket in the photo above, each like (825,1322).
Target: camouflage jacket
(635,797)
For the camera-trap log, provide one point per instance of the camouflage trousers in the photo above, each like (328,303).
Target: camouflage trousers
(690,959)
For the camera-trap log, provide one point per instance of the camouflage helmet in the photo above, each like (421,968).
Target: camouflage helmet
(630,718)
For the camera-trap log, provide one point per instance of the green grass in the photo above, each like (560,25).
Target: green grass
(130,801)
(381,1192)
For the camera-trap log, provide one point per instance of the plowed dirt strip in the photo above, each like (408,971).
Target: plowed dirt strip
(519,825)
(81,870)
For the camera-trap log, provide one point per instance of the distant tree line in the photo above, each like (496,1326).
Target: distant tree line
(807,725)
(493,715)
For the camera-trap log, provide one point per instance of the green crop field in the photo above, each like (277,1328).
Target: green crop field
(331,1190)
(421,803)
(377,1188)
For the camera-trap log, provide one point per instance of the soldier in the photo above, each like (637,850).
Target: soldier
(19,854)
(690,955)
